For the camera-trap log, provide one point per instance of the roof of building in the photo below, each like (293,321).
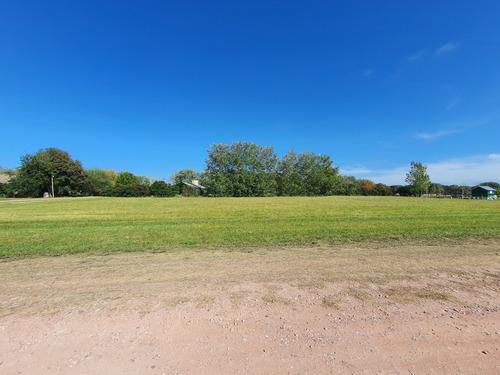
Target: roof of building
(486,187)
(197,186)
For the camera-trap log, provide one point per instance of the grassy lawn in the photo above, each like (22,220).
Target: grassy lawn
(59,226)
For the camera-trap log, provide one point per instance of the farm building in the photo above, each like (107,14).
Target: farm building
(484,192)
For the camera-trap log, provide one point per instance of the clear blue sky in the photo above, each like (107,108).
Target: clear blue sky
(148,86)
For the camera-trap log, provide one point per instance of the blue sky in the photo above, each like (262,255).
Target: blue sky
(148,86)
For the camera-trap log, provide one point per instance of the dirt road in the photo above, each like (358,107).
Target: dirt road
(398,308)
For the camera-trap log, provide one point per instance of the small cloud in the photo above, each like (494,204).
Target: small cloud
(446,48)
(431,136)
(494,156)
(367,73)
(457,128)
(416,56)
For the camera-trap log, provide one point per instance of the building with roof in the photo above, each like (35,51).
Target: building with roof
(484,192)
(192,188)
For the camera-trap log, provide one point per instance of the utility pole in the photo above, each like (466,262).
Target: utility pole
(52,183)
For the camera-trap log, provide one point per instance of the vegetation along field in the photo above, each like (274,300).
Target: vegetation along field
(58,226)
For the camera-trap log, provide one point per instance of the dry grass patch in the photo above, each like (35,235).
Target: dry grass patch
(274,298)
(331,301)
(270,275)
(408,294)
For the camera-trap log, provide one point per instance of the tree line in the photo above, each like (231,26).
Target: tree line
(232,170)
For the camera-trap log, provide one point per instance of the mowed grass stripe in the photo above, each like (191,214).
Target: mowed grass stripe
(59,226)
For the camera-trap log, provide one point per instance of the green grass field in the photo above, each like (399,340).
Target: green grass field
(52,227)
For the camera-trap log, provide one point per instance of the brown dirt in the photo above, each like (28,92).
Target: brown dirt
(395,308)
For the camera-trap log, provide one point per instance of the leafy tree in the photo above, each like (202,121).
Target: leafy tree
(307,174)
(162,189)
(418,179)
(36,171)
(381,190)
(289,180)
(437,189)
(318,174)
(366,187)
(240,169)
(349,185)
(129,185)
(100,181)
(127,178)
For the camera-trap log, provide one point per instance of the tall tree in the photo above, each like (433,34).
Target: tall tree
(126,178)
(240,169)
(418,179)
(308,174)
(100,181)
(349,185)
(367,187)
(289,180)
(35,174)
(319,175)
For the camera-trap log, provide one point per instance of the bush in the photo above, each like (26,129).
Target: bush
(382,190)
(131,190)
(162,189)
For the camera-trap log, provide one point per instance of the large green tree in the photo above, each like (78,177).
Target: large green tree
(308,174)
(34,176)
(126,178)
(100,181)
(290,181)
(418,179)
(349,185)
(240,169)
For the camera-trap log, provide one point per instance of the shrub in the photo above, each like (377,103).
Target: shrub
(162,189)
(131,190)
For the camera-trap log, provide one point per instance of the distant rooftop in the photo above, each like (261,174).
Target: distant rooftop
(486,187)
(194,184)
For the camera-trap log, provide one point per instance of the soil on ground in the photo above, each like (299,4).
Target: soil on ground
(421,308)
